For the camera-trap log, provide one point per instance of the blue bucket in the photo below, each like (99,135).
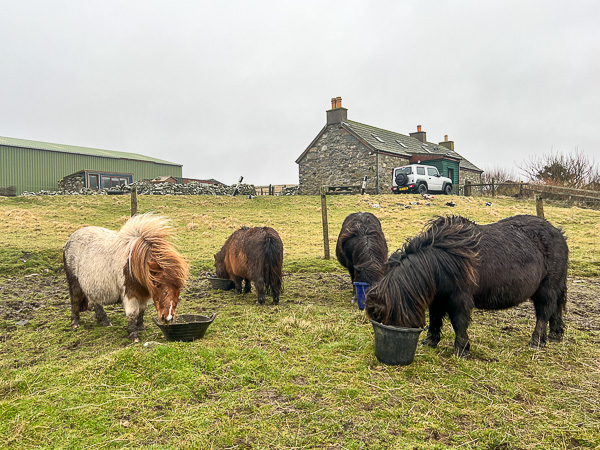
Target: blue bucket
(361,293)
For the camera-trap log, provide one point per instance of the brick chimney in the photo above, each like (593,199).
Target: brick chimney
(336,114)
(448,144)
(420,135)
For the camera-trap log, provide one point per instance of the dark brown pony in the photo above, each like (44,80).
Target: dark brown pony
(362,248)
(135,265)
(253,254)
(455,265)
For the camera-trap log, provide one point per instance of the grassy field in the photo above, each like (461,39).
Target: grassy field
(299,375)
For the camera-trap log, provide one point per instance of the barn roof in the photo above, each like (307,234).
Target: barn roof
(25,143)
(400,144)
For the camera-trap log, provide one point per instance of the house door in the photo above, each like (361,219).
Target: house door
(451,174)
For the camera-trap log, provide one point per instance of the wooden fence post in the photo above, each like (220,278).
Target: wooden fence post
(134,201)
(493,195)
(539,206)
(325,224)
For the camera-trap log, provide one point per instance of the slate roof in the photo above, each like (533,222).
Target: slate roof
(24,143)
(402,145)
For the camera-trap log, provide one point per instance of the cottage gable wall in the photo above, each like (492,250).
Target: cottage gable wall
(337,158)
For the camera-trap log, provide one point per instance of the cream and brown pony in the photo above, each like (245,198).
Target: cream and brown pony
(136,264)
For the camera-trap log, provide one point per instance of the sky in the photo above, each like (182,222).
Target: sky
(241,88)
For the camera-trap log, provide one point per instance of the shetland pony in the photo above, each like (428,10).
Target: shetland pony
(135,265)
(362,248)
(455,265)
(253,254)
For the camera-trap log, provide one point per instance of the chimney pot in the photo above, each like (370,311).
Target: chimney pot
(336,114)
(418,127)
(445,138)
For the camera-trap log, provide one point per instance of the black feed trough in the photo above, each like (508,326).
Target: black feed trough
(185,327)
(224,284)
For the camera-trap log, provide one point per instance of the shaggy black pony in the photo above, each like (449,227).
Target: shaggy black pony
(455,265)
(362,248)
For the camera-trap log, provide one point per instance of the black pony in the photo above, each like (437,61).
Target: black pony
(455,265)
(361,247)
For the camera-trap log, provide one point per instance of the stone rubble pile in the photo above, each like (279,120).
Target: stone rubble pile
(292,190)
(146,187)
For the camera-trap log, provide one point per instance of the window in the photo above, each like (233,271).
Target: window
(105,182)
(424,147)
(402,144)
(377,137)
(432,171)
(93,181)
(420,170)
(405,170)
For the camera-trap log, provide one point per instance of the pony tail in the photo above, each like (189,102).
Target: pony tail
(273,261)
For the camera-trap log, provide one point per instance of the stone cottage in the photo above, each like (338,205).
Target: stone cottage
(344,152)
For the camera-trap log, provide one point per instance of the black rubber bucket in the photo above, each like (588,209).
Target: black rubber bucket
(395,346)
(185,327)
(221,283)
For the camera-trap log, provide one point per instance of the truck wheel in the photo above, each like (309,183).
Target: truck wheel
(448,189)
(422,189)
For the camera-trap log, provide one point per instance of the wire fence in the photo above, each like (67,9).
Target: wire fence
(556,194)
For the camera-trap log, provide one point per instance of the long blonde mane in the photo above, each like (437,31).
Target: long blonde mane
(147,237)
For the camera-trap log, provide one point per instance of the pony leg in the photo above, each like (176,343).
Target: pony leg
(101,316)
(557,326)
(247,286)
(132,312)
(460,317)
(238,284)
(436,316)
(140,319)
(77,305)
(546,303)
(260,291)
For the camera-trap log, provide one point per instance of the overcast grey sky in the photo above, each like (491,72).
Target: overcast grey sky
(230,88)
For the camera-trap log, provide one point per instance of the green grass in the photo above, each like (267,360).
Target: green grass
(299,375)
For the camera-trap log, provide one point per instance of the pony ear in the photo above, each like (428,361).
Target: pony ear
(154,267)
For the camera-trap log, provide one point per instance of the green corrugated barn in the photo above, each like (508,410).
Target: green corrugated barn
(34,166)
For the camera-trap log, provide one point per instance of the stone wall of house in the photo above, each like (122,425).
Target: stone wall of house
(338,159)
(470,175)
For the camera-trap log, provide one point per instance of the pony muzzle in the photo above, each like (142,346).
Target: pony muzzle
(167,318)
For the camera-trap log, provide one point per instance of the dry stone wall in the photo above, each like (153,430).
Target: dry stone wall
(146,187)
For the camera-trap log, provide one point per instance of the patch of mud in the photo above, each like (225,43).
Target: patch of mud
(25,298)
(22,298)
(583,308)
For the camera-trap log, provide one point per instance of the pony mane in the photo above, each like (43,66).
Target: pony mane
(448,243)
(445,252)
(370,255)
(147,236)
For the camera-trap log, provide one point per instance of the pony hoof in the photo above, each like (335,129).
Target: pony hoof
(539,346)
(555,338)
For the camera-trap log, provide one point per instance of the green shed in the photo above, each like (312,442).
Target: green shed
(34,166)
